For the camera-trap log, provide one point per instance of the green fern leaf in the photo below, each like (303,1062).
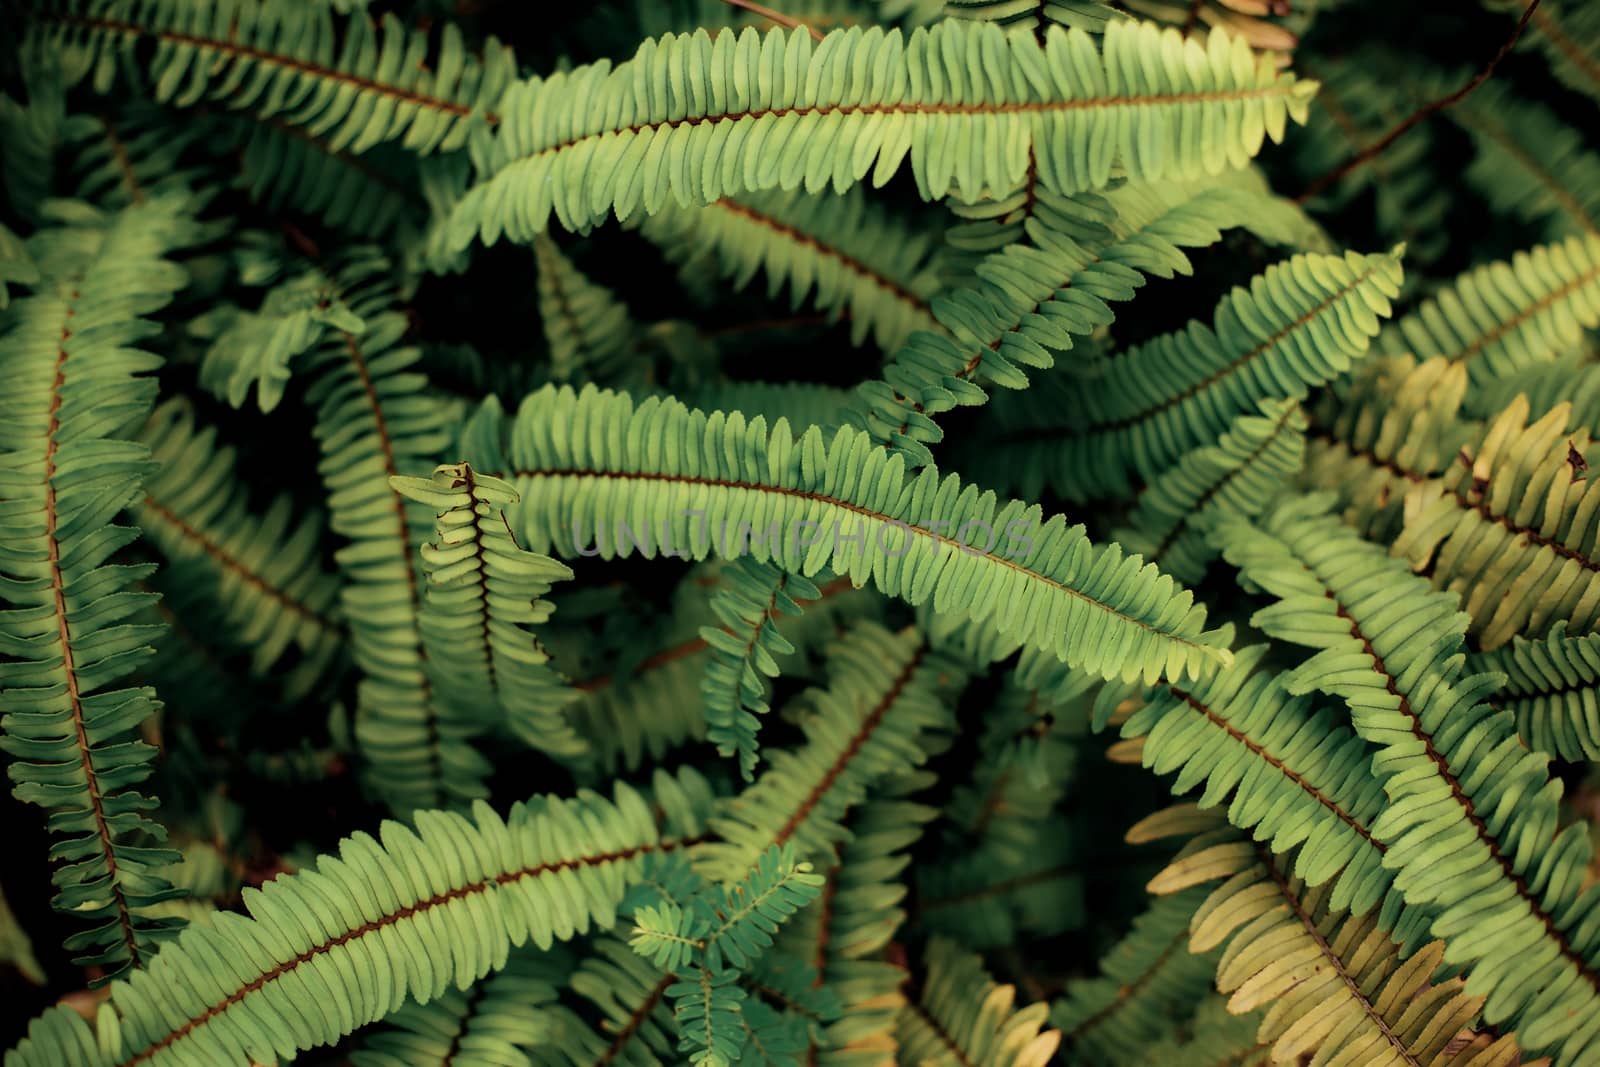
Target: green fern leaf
(583,145)
(484,591)
(756,491)
(75,383)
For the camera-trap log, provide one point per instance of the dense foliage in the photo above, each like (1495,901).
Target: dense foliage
(996,532)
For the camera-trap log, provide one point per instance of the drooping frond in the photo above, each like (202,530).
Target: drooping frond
(1300,324)
(484,592)
(1033,299)
(1553,688)
(1239,475)
(1470,826)
(1514,527)
(887,697)
(351,80)
(1573,379)
(965,102)
(1506,316)
(1529,163)
(76,381)
(1332,987)
(864,264)
(405,916)
(962,1017)
(744,650)
(647,473)
(587,328)
(1148,980)
(264,571)
(1393,426)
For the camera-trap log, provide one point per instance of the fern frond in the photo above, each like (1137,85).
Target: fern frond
(502,1019)
(886,695)
(1553,688)
(864,264)
(1300,324)
(1501,318)
(1148,979)
(1333,987)
(1031,300)
(1529,163)
(963,1017)
(1214,1037)
(1471,812)
(352,80)
(751,598)
(1513,528)
(862,909)
(1289,773)
(583,145)
(263,571)
(285,168)
(1573,378)
(407,915)
(763,492)
(1239,475)
(587,328)
(636,1027)
(375,420)
(484,591)
(75,382)
(1391,427)
(258,349)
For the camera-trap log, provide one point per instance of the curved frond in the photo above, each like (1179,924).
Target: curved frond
(75,381)
(887,696)
(405,916)
(962,1017)
(355,81)
(583,144)
(1148,980)
(484,591)
(1471,824)
(1033,299)
(864,264)
(1333,988)
(1514,527)
(1506,316)
(588,330)
(264,571)
(1300,324)
(1553,688)
(655,468)
(751,598)
(1239,475)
